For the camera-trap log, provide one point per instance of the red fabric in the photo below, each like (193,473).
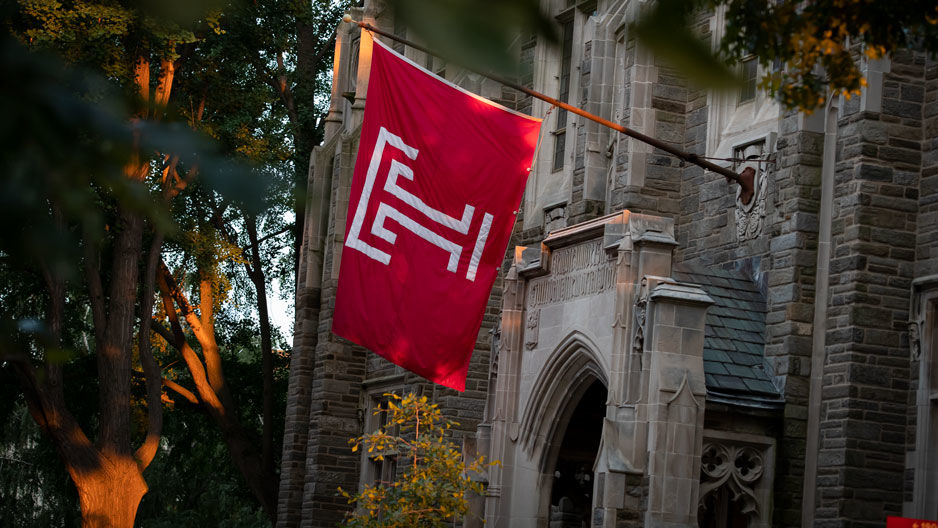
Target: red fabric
(406,289)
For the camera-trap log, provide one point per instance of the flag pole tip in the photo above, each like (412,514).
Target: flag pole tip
(347,18)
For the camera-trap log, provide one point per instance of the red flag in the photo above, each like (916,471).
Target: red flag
(437,182)
(904,522)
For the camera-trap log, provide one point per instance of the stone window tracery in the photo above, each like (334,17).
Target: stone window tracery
(735,483)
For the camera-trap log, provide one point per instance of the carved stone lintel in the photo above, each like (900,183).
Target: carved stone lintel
(751,217)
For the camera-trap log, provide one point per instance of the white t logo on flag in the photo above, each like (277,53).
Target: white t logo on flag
(386,212)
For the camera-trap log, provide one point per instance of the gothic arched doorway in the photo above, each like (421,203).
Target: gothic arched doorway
(572,486)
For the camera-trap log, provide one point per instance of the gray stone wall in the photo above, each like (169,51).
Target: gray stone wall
(782,259)
(660,193)
(618,181)
(296,426)
(790,266)
(338,372)
(926,256)
(866,389)
(927,240)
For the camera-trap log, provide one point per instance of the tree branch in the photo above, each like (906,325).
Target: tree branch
(272,235)
(278,81)
(173,386)
(61,427)
(263,484)
(95,289)
(178,341)
(182,391)
(176,295)
(147,451)
(201,327)
(167,335)
(142,81)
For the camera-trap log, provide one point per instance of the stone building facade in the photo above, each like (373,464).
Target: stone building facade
(656,352)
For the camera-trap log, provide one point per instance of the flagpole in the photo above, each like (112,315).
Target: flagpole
(689,157)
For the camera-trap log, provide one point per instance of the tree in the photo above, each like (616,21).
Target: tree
(286,46)
(105,212)
(193,482)
(433,487)
(72,209)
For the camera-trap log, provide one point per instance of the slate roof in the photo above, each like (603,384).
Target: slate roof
(734,362)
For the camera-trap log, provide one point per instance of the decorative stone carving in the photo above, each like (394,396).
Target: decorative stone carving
(738,468)
(531,323)
(751,217)
(576,271)
(915,343)
(639,312)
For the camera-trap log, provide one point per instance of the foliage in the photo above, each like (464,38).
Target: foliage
(808,48)
(86,156)
(479,34)
(433,487)
(826,33)
(666,30)
(34,490)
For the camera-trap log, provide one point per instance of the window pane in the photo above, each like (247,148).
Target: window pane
(748,91)
(560,144)
(566,59)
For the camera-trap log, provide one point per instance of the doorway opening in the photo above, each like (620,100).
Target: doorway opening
(572,489)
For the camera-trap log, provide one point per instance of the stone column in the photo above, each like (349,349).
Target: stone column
(675,398)
(503,398)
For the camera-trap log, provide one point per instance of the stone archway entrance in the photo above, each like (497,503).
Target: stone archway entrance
(572,484)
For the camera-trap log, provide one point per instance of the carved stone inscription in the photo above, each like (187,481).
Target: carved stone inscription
(576,271)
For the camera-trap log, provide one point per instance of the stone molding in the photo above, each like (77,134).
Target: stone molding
(574,363)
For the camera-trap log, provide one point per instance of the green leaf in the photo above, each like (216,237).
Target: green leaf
(665,30)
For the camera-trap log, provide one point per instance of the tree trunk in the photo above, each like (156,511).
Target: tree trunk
(256,273)
(110,494)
